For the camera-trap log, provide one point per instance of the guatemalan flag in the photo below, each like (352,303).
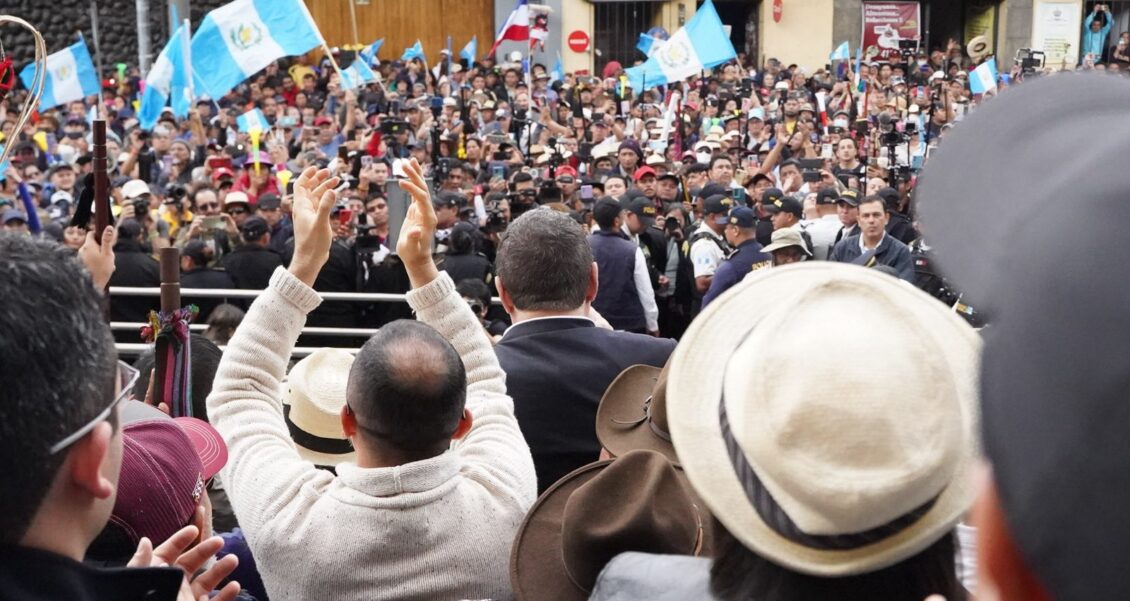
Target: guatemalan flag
(239,39)
(167,79)
(357,75)
(701,44)
(253,119)
(471,50)
(370,52)
(842,53)
(516,28)
(70,76)
(984,77)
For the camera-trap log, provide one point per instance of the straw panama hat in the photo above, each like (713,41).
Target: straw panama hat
(854,435)
(315,395)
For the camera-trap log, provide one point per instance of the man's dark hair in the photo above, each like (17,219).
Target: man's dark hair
(52,332)
(544,262)
(694,168)
(619,177)
(519,178)
(740,574)
(474,288)
(407,388)
(205,361)
(721,157)
(871,199)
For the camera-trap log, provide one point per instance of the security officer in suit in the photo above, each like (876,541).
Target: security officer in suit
(741,233)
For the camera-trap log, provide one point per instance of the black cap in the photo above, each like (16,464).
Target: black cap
(711,190)
(254,228)
(742,217)
(269,201)
(196,250)
(448,199)
(787,204)
(827,196)
(717,203)
(771,195)
(890,197)
(1053,409)
(849,197)
(643,208)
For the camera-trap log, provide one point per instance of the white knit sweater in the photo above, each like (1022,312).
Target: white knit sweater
(434,529)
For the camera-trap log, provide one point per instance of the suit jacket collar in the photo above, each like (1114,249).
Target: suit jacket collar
(540,325)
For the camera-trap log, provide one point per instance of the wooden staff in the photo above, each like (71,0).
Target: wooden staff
(170,302)
(100,170)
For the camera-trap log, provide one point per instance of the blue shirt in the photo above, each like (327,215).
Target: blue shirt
(1094,42)
(748,257)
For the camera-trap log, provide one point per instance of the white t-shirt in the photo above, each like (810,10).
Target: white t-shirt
(705,254)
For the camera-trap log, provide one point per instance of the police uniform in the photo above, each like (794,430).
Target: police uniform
(706,248)
(746,258)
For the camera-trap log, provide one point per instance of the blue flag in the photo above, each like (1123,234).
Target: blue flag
(558,71)
(984,77)
(370,51)
(471,50)
(240,39)
(842,53)
(167,79)
(357,75)
(414,51)
(253,119)
(701,44)
(70,76)
(646,44)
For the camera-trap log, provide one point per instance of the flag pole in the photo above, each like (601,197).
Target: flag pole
(324,45)
(97,52)
(353,22)
(186,59)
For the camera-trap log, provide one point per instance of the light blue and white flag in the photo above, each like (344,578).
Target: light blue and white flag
(701,44)
(239,39)
(984,77)
(842,53)
(647,44)
(414,51)
(253,119)
(357,75)
(558,71)
(369,54)
(471,50)
(70,76)
(167,79)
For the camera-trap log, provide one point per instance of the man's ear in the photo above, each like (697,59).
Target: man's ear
(594,284)
(504,296)
(464,425)
(1002,573)
(348,422)
(87,459)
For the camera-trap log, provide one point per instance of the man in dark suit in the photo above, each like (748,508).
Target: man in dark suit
(557,361)
(195,273)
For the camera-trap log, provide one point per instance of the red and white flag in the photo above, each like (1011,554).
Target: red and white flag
(516,28)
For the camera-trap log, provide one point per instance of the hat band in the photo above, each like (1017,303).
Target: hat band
(306,440)
(655,429)
(776,518)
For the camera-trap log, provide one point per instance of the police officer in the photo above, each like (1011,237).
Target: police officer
(741,233)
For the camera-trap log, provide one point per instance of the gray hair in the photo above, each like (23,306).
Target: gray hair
(545,261)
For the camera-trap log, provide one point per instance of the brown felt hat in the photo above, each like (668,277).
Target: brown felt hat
(638,502)
(633,413)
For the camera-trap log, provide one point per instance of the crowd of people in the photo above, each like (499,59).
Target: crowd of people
(720,365)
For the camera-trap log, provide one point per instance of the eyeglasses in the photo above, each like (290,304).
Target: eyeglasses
(207,206)
(127,377)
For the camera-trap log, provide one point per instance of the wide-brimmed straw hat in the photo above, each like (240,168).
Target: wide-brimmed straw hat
(633,413)
(312,406)
(638,502)
(827,415)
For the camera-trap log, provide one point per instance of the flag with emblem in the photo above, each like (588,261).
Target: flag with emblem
(70,76)
(984,77)
(701,44)
(240,39)
(357,75)
(370,51)
(167,79)
(253,119)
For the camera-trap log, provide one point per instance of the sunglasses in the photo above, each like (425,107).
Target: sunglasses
(236,211)
(476,307)
(127,377)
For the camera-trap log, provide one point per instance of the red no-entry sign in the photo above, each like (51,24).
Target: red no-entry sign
(578,41)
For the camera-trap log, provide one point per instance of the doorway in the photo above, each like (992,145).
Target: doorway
(617,30)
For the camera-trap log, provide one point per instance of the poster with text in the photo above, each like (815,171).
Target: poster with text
(1056,31)
(885,24)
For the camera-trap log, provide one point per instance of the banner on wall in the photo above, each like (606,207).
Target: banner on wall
(1055,31)
(980,20)
(885,24)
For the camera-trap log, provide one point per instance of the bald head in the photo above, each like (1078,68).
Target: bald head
(407,387)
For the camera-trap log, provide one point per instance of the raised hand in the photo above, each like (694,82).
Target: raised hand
(314,199)
(173,552)
(416,234)
(99,257)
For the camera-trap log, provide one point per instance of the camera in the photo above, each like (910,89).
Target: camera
(393,126)
(1030,61)
(140,208)
(908,45)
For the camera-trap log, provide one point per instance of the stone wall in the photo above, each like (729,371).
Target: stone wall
(59,20)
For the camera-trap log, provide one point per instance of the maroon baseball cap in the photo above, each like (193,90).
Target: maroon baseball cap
(165,464)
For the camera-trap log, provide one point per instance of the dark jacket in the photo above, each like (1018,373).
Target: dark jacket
(133,267)
(890,252)
(212,279)
(900,227)
(469,266)
(556,371)
(281,233)
(617,298)
(746,258)
(653,242)
(30,574)
(250,266)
